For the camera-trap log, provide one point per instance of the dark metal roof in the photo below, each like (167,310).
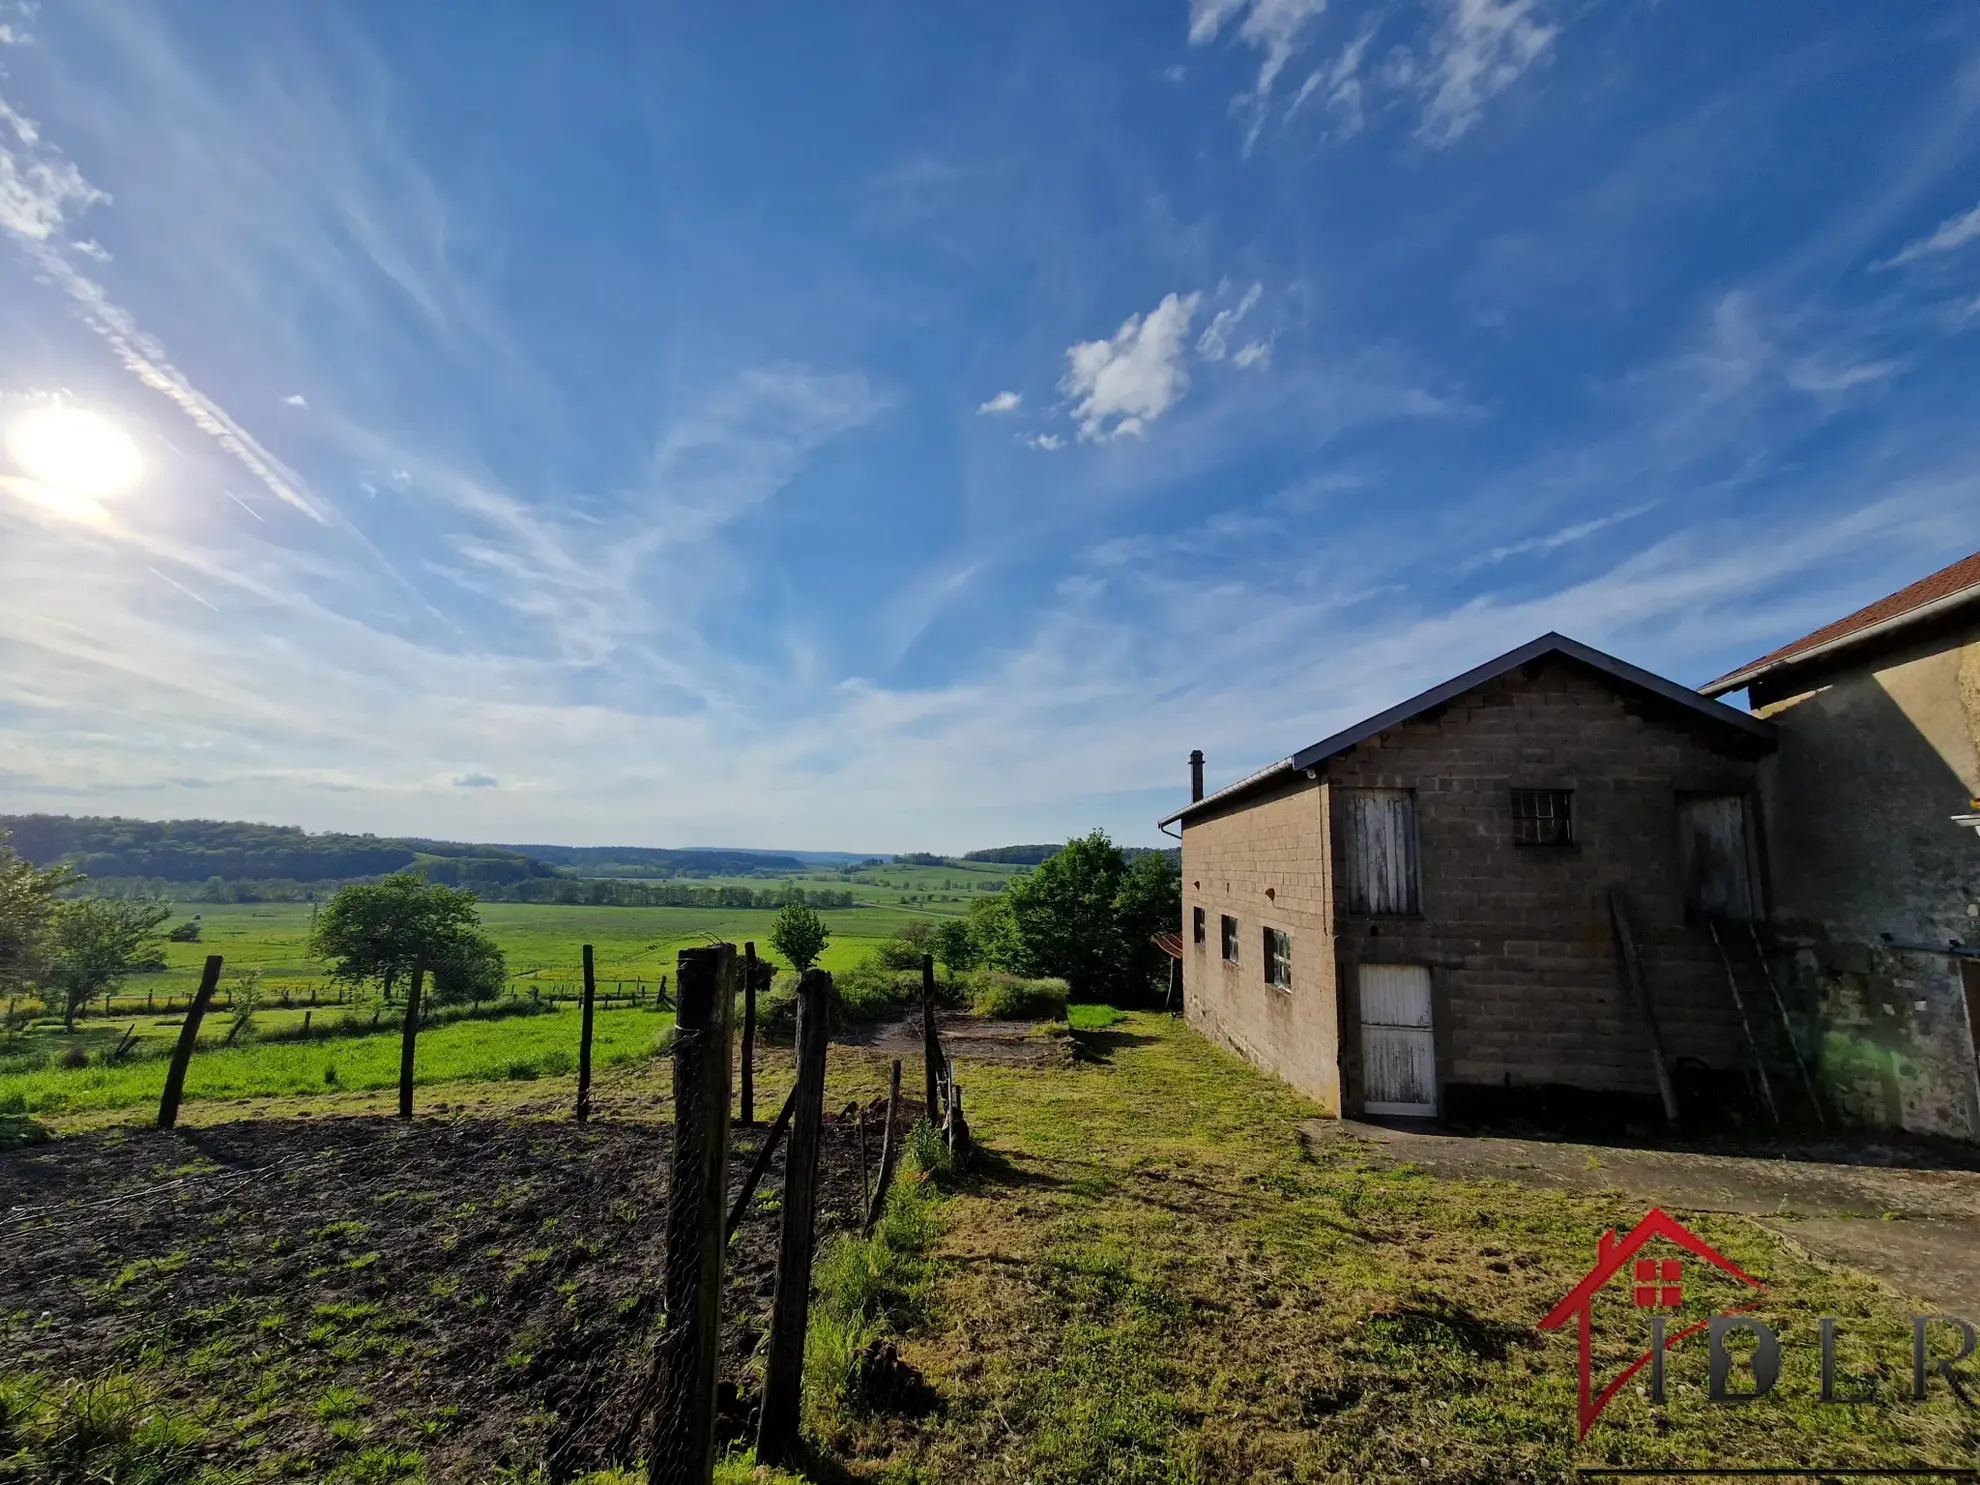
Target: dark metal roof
(1546,644)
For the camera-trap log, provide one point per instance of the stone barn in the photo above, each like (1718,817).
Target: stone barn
(1417,915)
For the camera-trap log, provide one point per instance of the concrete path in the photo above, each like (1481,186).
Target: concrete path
(1916,1228)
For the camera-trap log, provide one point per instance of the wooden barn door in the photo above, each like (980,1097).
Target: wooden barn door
(1398,1044)
(1381,851)
(1721,875)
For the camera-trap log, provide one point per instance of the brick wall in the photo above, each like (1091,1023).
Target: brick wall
(1267,866)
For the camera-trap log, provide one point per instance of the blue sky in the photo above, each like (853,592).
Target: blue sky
(906,426)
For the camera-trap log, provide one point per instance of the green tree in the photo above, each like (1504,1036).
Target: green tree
(28,907)
(953,944)
(96,944)
(800,935)
(1149,902)
(377,930)
(991,935)
(468,968)
(1063,920)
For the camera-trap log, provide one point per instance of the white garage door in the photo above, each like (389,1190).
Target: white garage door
(1398,1044)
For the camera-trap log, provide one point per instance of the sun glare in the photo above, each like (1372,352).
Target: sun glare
(76,452)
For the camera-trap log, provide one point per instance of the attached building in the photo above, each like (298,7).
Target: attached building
(1871,808)
(1416,913)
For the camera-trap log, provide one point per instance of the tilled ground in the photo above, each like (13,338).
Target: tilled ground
(483,1291)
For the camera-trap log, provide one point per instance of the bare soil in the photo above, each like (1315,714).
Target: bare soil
(966,1038)
(487,1288)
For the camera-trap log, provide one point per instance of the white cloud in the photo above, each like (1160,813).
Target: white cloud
(90,248)
(1819,376)
(1215,340)
(1270,26)
(1951,234)
(38,187)
(1046,441)
(1257,353)
(1126,383)
(1480,50)
(296,399)
(1339,86)
(1003,402)
(477,781)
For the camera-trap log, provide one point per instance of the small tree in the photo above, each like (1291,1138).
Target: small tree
(97,943)
(952,944)
(800,935)
(1062,917)
(1149,902)
(466,968)
(376,930)
(28,908)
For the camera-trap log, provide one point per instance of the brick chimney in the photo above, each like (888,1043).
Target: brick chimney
(1195,775)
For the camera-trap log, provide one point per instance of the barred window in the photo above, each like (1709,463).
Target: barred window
(1543,817)
(1196,924)
(1278,959)
(1230,934)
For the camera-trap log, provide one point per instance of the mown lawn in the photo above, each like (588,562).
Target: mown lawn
(1155,1278)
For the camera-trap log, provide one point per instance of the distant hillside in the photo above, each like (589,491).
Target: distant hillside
(1016,855)
(651,861)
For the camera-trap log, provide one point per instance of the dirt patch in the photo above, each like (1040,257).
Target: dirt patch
(482,1290)
(966,1039)
(1915,1227)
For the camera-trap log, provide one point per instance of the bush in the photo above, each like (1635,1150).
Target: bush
(1005,997)
(74,1057)
(870,989)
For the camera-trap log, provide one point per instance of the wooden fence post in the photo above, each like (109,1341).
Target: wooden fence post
(681,1446)
(409,1035)
(749,1034)
(890,1150)
(783,1370)
(931,1046)
(759,1165)
(175,1076)
(584,1042)
(1639,990)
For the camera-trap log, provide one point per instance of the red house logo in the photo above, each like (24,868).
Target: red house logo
(1655,1283)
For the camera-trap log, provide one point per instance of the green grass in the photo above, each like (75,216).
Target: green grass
(1093,1017)
(520,1048)
(543,942)
(1155,1278)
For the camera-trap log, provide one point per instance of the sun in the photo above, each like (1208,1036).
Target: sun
(75,452)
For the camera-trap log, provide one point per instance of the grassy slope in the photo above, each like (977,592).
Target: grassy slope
(1155,1280)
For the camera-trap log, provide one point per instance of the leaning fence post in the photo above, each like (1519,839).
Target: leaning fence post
(890,1149)
(931,1047)
(783,1371)
(175,1076)
(681,1447)
(584,1043)
(749,1034)
(410,1035)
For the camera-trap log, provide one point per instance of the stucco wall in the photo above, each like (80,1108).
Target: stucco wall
(1876,757)
(1266,865)
(1518,938)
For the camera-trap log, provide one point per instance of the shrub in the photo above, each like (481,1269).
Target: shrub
(1007,998)
(75,1057)
(870,989)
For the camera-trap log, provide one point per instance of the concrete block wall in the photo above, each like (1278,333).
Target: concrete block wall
(1267,864)
(1518,938)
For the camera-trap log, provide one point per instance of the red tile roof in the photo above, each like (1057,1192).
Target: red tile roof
(1948,582)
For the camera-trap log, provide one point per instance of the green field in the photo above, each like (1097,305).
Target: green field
(519,1048)
(543,942)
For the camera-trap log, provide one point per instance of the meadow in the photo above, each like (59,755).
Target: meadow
(633,948)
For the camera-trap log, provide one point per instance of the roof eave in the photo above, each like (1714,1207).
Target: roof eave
(1738,680)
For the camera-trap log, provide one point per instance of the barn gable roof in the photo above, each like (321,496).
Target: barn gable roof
(1621,671)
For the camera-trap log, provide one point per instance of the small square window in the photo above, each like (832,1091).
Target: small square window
(1230,935)
(1196,924)
(1278,959)
(1543,817)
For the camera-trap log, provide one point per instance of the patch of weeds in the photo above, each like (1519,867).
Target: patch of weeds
(107,1428)
(146,1268)
(363,1261)
(349,1231)
(376,1466)
(340,1402)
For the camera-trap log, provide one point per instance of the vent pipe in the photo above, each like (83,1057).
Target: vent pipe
(1195,775)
